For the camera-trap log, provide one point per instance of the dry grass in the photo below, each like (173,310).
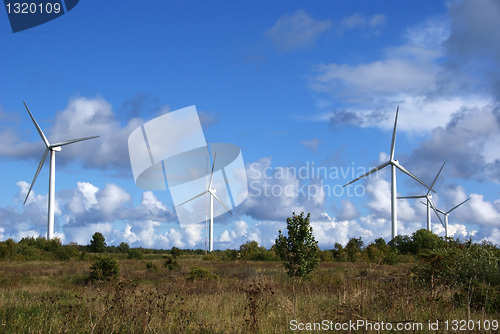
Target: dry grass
(242,297)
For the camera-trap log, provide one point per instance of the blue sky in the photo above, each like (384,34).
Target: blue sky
(298,86)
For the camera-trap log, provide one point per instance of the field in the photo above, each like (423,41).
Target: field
(225,297)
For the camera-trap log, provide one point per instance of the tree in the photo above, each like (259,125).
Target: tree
(299,250)
(97,244)
(353,249)
(253,252)
(175,252)
(123,247)
(424,240)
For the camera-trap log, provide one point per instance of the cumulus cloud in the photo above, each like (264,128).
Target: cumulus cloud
(430,75)
(471,39)
(468,143)
(297,31)
(82,117)
(87,209)
(273,193)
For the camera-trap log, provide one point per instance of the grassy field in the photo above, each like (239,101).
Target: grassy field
(221,297)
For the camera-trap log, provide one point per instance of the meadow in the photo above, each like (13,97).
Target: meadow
(193,293)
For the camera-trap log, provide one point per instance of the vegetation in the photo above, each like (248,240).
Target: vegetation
(417,278)
(97,244)
(299,250)
(104,269)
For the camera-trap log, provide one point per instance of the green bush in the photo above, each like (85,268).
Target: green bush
(170,263)
(201,273)
(253,252)
(151,266)
(135,254)
(175,252)
(474,270)
(104,269)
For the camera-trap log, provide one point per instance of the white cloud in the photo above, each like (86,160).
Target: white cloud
(481,211)
(467,143)
(358,21)
(348,210)
(311,144)
(494,236)
(296,31)
(83,117)
(273,193)
(111,198)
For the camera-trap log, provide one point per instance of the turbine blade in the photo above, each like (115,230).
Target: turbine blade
(212,173)
(40,132)
(199,195)
(456,206)
(435,179)
(393,144)
(436,212)
(40,165)
(419,196)
(67,142)
(370,172)
(217,198)
(407,172)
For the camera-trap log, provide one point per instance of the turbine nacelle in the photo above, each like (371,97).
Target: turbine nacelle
(56,149)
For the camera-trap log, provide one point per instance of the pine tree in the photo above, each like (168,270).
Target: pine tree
(97,244)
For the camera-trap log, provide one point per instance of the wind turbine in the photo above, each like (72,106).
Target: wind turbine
(213,194)
(394,165)
(53,148)
(428,196)
(446,214)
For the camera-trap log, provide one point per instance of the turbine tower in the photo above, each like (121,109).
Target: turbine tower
(394,165)
(428,196)
(52,148)
(446,214)
(213,194)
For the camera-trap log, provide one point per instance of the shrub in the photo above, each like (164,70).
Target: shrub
(151,266)
(135,254)
(170,263)
(104,269)
(253,252)
(201,273)
(175,252)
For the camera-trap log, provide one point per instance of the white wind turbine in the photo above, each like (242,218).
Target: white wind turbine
(53,148)
(212,192)
(394,165)
(446,214)
(428,196)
